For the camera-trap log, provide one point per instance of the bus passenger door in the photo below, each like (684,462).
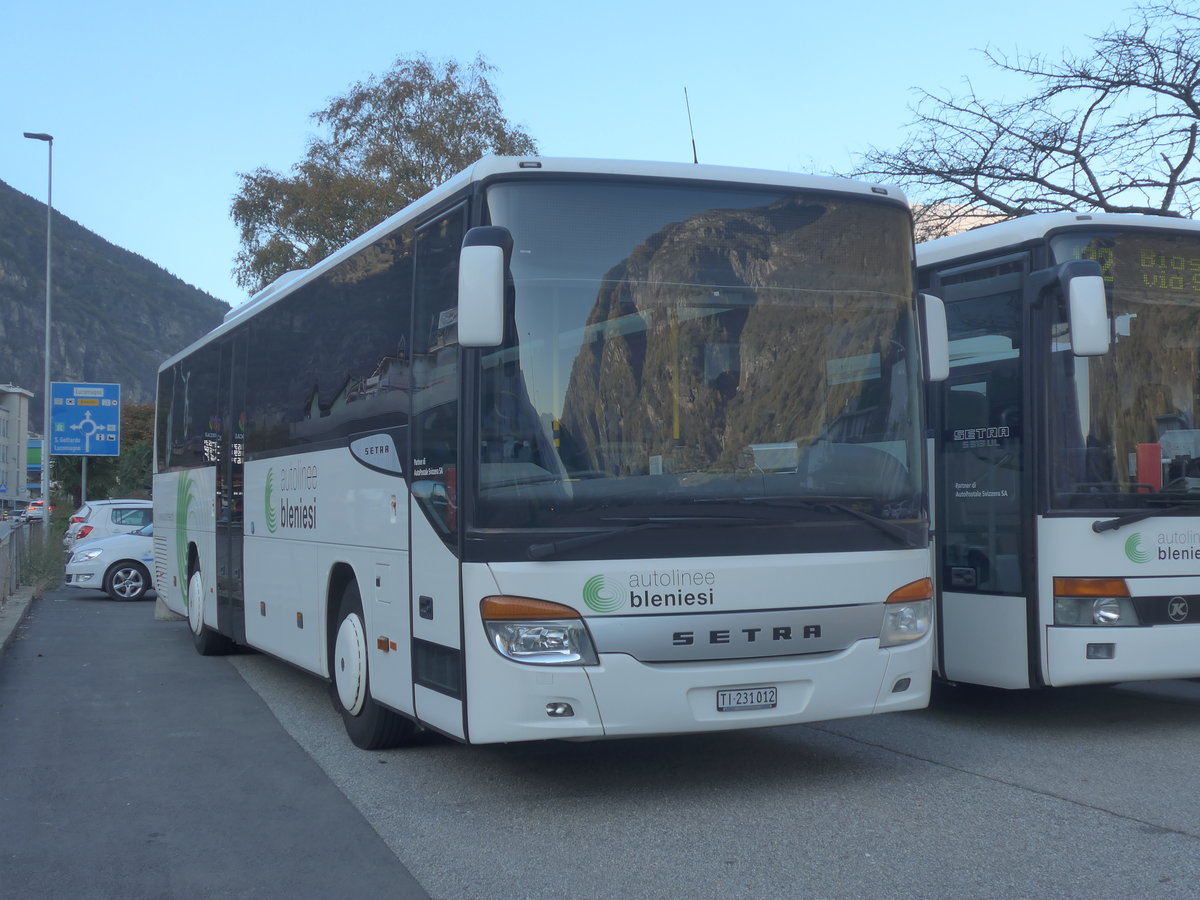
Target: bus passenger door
(439,681)
(981,542)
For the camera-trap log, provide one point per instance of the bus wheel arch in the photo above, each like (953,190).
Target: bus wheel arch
(340,576)
(369,725)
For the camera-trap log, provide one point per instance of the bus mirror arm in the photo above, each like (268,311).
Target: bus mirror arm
(1087,303)
(482,272)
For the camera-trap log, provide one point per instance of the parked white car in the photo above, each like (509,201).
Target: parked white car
(104,518)
(119,565)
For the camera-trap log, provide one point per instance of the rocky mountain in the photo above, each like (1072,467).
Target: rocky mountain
(116,316)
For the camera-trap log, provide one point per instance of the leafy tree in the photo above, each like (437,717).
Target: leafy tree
(134,477)
(1114,130)
(390,140)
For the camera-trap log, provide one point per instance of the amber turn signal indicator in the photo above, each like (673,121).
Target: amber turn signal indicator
(921,589)
(1090,587)
(504,608)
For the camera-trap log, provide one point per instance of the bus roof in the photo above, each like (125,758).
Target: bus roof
(490,167)
(1023,229)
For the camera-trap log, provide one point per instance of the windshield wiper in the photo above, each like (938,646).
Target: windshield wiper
(830,504)
(629,525)
(1102,525)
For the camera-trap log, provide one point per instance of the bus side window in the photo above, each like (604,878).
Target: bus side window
(435,369)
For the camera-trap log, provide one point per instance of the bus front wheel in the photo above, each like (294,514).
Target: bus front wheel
(369,725)
(207,641)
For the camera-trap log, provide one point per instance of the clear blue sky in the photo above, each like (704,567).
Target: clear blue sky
(155,107)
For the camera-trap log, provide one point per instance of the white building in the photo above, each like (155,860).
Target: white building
(14,442)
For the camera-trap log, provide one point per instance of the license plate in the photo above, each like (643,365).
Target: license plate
(747,698)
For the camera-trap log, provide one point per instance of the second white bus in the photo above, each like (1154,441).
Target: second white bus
(1067,450)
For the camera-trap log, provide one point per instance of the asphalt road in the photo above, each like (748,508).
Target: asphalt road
(131,767)
(1090,793)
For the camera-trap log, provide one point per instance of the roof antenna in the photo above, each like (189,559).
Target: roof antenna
(688,103)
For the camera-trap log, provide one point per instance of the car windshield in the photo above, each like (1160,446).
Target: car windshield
(675,345)
(1124,426)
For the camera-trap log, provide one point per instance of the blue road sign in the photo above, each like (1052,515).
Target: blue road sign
(85,419)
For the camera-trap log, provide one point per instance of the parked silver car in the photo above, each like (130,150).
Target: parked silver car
(119,565)
(103,518)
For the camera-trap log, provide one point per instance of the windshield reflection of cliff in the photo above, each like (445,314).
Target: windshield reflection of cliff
(717,333)
(1145,387)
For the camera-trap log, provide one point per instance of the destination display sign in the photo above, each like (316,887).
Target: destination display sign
(1148,263)
(85,419)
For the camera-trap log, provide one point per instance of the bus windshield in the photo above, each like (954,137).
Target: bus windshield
(685,349)
(1123,427)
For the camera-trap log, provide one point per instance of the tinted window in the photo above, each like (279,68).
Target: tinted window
(681,347)
(435,359)
(1125,426)
(187,409)
(136,516)
(982,419)
(331,359)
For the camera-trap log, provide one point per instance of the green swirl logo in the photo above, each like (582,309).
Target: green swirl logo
(602,595)
(184,497)
(269,501)
(1134,551)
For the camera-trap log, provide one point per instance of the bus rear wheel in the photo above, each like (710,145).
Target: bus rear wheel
(207,641)
(369,725)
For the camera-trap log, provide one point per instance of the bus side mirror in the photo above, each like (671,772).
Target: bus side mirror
(1088,309)
(482,266)
(936,338)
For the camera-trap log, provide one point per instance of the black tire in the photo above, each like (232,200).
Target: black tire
(206,641)
(127,580)
(369,725)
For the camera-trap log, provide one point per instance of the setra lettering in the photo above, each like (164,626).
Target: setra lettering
(750,635)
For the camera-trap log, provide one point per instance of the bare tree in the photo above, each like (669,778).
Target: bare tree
(1114,130)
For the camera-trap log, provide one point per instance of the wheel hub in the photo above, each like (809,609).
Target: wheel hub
(350,664)
(195,603)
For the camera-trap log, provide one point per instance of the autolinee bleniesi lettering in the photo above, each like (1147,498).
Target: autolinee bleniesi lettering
(298,514)
(295,509)
(671,598)
(685,588)
(1169,545)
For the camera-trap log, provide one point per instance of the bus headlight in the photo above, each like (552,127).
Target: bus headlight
(907,614)
(537,632)
(1098,611)
(1093,601)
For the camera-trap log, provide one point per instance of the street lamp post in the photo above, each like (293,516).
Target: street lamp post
(49,139)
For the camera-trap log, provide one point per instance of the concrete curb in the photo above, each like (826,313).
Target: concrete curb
(162,613)
(12,613)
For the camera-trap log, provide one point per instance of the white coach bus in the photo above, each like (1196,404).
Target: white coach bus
(1067,452)
(570,449)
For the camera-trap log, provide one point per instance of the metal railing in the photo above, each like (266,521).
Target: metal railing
(14,556)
